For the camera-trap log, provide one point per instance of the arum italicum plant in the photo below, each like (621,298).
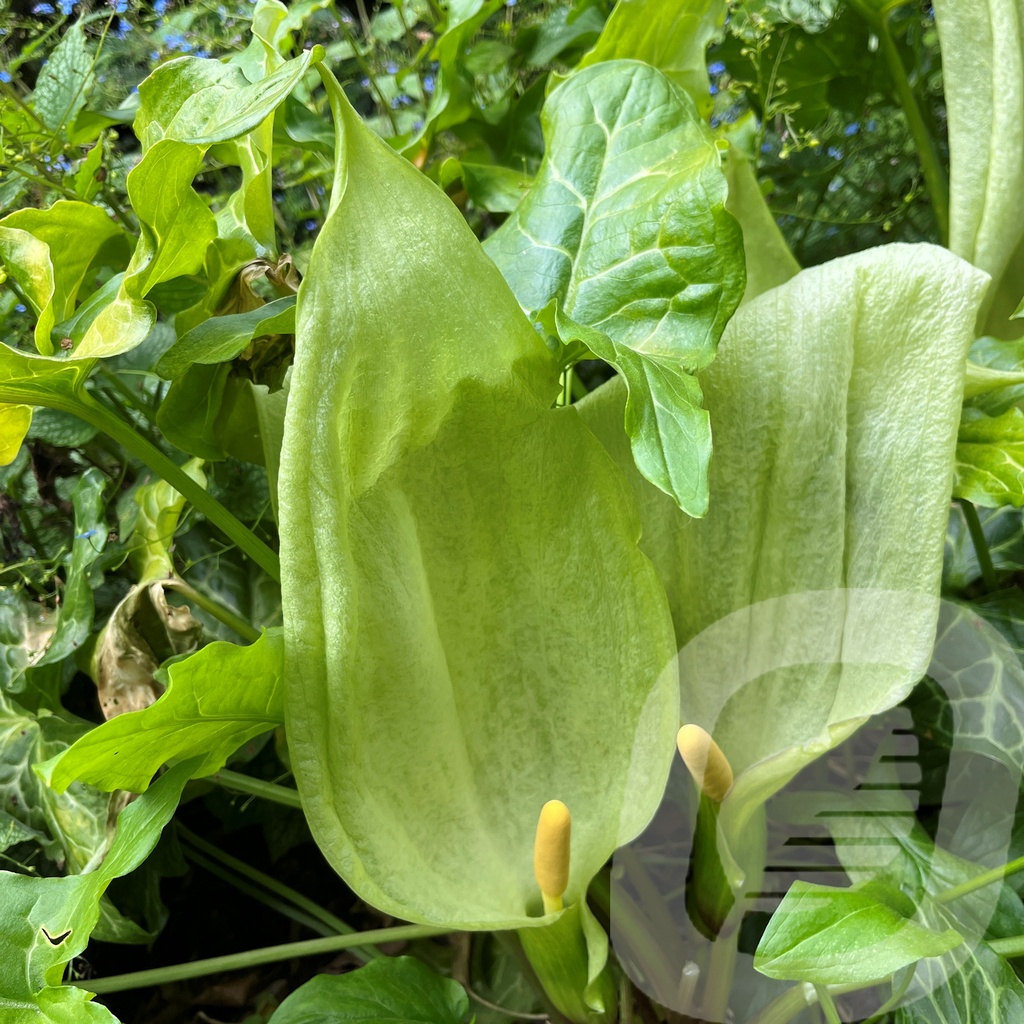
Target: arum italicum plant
(450,666)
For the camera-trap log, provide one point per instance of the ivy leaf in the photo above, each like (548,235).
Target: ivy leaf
(65,79)
(625,229)
(990,458)
(48,253)
(215,701)
(668,35)
(46,922)
(75,615)
(1004,533)
(398,990)
(853,936)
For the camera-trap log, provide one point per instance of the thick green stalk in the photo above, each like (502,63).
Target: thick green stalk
(255,957)
(96,415)
(257,787)
(973,884)
(215,608)
(980,541)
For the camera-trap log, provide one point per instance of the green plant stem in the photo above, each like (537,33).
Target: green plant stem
(931,165)
(988,570)
(129,395)
(304,903)
(215,608)
(124,434)
(1010,948)
(257,787)
(721,967)
(282,906)
(255,957)
(973,884)
(795,1000)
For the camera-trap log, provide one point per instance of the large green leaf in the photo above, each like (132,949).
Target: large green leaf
(851,936)
(983,77)
(466,610)
(667,34)
(990,458)
(625,230)
(48,253)
(835,398)
(387,991)
(46,922)
(202,101)
(27,380)
(216,700)
(177,225)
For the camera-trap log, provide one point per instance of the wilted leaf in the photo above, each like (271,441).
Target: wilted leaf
(143,632)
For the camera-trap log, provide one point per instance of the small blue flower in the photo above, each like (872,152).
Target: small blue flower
(835,152)
(716,68)
(715,121)
(160,6)
(202,53)
(851,129)
(429,82)
(20,307)
(365,83)
(123,28)
(120,6)
(43,9)
(766,147)
(872,125)
(5,76)
(311,225)
(510,3)
(392,69)
(417,124)
(714,89)
(66,7)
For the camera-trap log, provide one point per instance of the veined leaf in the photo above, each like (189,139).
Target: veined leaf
(398,990)
(48,253)
(669,35)
(625,230)
(451,666)
(835,398)
(215,701)
(176,228)
(849,936)
(201,101)
(46,922)
(64,81)
(990,458)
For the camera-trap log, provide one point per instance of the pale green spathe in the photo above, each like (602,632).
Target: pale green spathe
(470,629)
(810,590)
